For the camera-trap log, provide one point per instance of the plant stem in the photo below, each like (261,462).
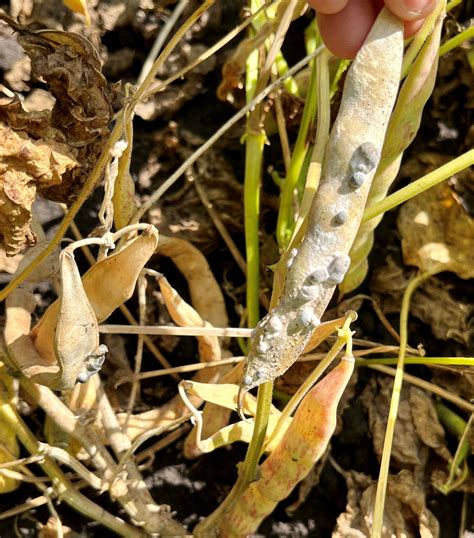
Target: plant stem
(457,40)
(420,37)
(394,403)
(421,185)
(63,488)
(254,143)
(285,223)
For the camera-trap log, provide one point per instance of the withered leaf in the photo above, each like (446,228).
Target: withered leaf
(433,303)
(405,510)
(26,166)
(417,425)
(71,67)
(437,233)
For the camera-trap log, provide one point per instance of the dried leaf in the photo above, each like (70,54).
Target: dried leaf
(71,67)
(437,233)
(405,509)
(26,166)
(448,316)
(456,379)
(417,425)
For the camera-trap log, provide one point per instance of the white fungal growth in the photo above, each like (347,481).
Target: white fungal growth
(357,179)
(274,325)
(317,276)
(338,268)
(309,293)
(307,316)
(262,346)
(83,377)
(340,217)
(365,158)
(291,257)
(247,380)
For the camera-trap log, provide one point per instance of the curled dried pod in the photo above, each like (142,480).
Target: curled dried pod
(76,338)
(108,284)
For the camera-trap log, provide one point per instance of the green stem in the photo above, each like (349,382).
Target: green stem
(250,464)
(394,404)
(285,223)
(426,361)
(421,185)
(254,143)
(457,40)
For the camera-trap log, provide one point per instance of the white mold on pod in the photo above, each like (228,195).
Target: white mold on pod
(352,154)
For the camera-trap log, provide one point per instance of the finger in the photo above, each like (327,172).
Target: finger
(328,6)
(411,10)
(345,31)
(412,27)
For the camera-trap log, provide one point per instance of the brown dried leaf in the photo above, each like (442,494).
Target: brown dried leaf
(456,379)
(437,233)
(448,316)
(405,509)
(434,303)
(26,166)
(71,67)
(415,417)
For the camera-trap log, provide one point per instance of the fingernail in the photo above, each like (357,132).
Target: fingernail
(417,6)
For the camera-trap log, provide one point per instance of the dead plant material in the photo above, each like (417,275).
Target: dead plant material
(107,285)
(71,67)
(406,513)
(416,430)
(26,166)
(206,295)
(437,232)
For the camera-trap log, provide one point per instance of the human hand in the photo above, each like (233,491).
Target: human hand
(344,24)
